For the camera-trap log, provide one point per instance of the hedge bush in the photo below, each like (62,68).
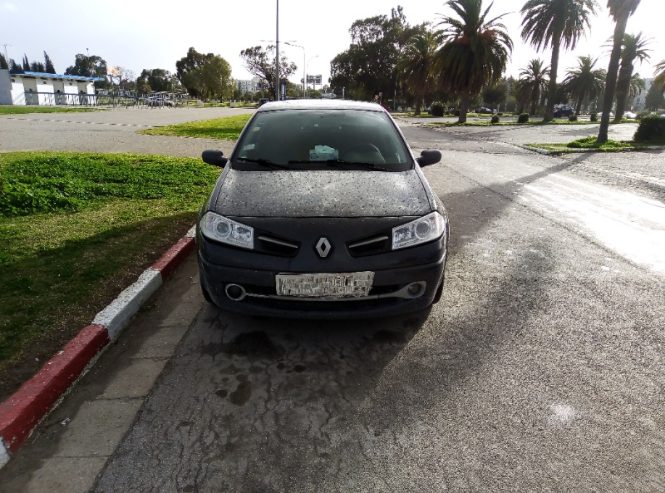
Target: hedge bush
(652,128)
(594,117)
(523,118)
(436,109)
(572,118)
(496,119)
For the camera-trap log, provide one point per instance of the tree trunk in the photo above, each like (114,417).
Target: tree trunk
(419,103)
(464,108)
(623,87)
(554,69)
(611,80)
(534,101)
(579,107)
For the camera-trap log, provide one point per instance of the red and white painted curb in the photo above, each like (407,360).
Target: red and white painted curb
(23,410)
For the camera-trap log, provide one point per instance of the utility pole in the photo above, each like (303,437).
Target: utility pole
(277,54)
(5,45)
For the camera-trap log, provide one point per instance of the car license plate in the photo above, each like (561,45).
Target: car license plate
(351,285)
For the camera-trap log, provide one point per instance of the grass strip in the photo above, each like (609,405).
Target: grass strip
(589,144)
(76,229)
(227,128)
(22,110)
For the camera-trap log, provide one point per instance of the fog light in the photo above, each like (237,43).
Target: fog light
(235,292)
(416,289)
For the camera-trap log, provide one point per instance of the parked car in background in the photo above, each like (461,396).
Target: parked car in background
(484,110)
(563,111)
(322,210)
(630,115)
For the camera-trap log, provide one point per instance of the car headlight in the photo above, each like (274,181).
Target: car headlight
(222,229)
(422,230)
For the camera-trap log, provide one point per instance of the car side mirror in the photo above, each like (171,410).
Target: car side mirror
(214,157)
(429,157)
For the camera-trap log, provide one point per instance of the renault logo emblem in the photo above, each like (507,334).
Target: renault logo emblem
(323,247)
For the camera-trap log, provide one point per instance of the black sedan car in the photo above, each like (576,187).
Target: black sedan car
(322,211)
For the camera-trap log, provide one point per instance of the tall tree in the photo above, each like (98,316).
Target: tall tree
(474,53)
(14,67)
(26,63)
(659,81)
(555,24)
(585,82)
(496,94)
(620,10)
(205,75)
(634,48)
(533,80)
(158,80)
(260,62)
(416,65)
(3,62)
(48,64)
(37,67)
(88,66)
(369,66)
(654,99)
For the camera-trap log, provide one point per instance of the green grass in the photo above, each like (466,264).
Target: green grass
(227,128)
(589,144)
(76,229)
(22,110)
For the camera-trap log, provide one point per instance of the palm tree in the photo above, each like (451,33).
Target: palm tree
(583,82)
(659,81)
(555,23)
(634,48)
(417,64)
(620,10)
(474,52)
(637,85)
(533,79)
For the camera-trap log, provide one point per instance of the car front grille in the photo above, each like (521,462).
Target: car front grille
(369,246)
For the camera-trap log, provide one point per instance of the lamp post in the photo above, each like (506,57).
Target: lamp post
(304,66)
(277,54)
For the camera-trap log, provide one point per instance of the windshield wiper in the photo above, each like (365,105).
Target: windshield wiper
(343,163)
(263,162)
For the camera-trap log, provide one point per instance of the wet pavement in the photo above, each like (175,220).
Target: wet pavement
(541,367)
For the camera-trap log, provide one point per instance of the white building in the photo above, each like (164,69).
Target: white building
(249,85)
(37,88)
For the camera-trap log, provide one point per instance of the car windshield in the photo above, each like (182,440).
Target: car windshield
(321,139)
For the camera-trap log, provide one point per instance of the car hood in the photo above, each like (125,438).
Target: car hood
(321,194)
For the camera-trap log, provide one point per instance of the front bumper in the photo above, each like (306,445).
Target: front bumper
(262,300)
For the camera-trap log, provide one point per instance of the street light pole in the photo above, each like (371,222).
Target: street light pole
(304,66)
(277,54)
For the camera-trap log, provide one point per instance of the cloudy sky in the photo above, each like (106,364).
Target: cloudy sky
(139,34)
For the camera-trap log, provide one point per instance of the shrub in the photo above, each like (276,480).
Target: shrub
(523,118)
(436,109)
(594,117)
(496,119)
(652,128)
(572,118)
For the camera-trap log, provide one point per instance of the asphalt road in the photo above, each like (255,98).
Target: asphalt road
(540,369)
(112,130)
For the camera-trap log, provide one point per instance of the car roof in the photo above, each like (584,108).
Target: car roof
(320,104)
